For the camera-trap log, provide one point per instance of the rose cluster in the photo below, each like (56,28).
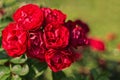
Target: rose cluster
(43,34)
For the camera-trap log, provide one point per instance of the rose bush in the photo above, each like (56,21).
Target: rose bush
(43,34)
(33,63)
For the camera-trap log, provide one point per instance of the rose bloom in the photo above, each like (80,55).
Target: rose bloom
(53,16)
(29,16)
(77,34)
(14,40)
(83,25)
(96,44)
(36,48)
(56,36)
(59,59)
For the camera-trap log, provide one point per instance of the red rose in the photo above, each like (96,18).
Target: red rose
(59,59)
(53,16)
(77,34)
(83,25)
(29,16)
(78,37)
(2,12)
(56,36)
(46,11)
(36,47)
(14,40)
(97,44)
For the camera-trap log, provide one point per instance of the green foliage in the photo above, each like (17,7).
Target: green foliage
(16,77)
(100,75)
(20,70)
(56,77)
(19,60)
(4,72)
(3,57)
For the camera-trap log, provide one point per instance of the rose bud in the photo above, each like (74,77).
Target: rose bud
(84,26)
(29,16)
(53,16)
(59,59)
(2,12)
(36,48)
(118,46)
(14,40)
(102,63)
(56,36)
(77,35)
(97,44)
(111,36)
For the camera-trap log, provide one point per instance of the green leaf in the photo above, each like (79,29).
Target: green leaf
(20,70)
(87,78)
(4,72)
(25,70)
(39,74)
(30,75)
(48,74)
(16,69)
(16,77)
(3,54)
(58,75)
(95,74)
(19,60)
(103,78)
(3,57)
(4,77)
(2,61)
(39,68)
(69,78)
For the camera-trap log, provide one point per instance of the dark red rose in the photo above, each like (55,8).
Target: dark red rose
(36,47)
(84,26)
(14,40)
(29,16)
(97,44)
(59,59)
(56,36)
(78,37)
(53,16)
(77,34)
(2,12)
(102,63)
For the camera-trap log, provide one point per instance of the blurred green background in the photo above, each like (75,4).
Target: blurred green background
(103,17)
